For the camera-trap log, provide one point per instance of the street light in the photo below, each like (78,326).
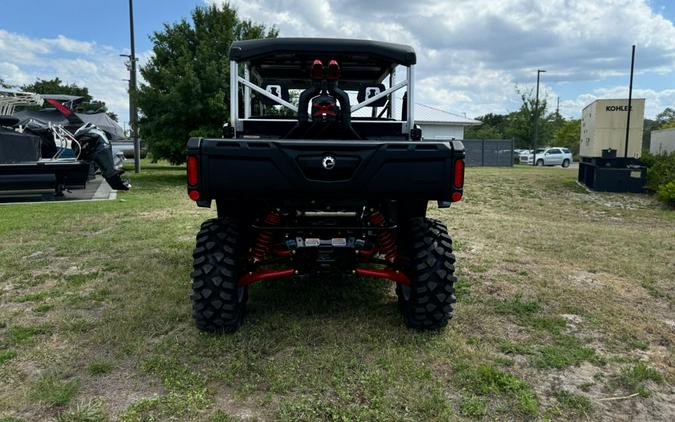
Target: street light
(536,120)
(133,115)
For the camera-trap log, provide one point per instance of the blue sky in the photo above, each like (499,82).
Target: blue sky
(472,54)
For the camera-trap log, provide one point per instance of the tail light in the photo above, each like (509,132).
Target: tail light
(192,170)
(317,69)
(193,177)
(333,70)
(457,180)
(458,176)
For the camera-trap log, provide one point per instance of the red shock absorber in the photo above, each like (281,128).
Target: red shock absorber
(385,239)
(264,239)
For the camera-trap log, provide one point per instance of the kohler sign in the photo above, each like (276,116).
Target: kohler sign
(618,108)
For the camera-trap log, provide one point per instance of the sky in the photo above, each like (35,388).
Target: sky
(473,55)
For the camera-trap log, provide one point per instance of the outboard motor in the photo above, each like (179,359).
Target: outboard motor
(97,149)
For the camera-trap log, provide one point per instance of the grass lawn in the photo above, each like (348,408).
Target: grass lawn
(565,312)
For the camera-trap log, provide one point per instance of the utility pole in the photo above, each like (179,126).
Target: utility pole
(557,108)
(536,120)
(133,114)
(630,100)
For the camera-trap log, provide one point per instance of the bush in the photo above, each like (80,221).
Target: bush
(661,176)
(666,193)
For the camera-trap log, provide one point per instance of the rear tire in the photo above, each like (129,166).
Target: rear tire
(566,163)
(427,302)
(218,304)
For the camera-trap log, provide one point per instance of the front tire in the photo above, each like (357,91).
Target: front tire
(566,163)
(428,302)
(218,304)
(540,163)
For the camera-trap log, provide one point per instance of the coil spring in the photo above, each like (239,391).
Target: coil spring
(385,239)
(264,239)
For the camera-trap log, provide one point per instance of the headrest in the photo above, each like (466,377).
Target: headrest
(367,91)
(276,88)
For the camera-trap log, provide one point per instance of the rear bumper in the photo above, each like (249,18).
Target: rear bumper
(294,169)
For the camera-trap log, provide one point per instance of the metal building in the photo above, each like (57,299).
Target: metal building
(662,141)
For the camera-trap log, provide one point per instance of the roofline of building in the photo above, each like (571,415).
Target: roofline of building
(453,123)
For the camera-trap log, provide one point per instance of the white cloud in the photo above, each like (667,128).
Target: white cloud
(656,101)
(12,74)
(70,45)
(471,53)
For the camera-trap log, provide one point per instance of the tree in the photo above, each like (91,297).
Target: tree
(521,123)
(484,131)
(665,118)
(187,87)
(568,135)
(57,86)
(4,85)
(493,127)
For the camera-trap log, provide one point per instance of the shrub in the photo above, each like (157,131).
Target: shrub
(661,176)
(666,193)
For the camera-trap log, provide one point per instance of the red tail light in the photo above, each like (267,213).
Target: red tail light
(458,176)
(333,70)
(317,69)
(192,170)
(457,180)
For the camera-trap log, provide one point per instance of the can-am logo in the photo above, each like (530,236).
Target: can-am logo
(618,108)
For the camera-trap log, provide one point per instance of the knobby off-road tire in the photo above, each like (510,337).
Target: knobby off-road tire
(218,305)
(427,302)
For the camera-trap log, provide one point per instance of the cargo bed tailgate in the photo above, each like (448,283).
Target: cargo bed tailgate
(324,168)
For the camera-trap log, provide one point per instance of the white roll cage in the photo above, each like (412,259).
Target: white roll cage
(236,79)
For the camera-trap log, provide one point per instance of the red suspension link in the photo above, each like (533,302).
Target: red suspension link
(264,239)
(385,239)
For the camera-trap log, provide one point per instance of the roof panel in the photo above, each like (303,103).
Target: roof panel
(255,49)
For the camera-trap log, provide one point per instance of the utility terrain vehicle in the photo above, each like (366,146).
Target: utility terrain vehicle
(322,170)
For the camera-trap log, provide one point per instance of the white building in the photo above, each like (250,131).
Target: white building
(434,122)
(662,141)
(440,124)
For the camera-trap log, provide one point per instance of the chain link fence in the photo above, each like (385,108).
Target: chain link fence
(488,152)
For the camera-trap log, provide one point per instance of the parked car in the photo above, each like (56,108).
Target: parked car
(552,156)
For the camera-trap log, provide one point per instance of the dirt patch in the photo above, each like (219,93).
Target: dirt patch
(246,410)
(119,389)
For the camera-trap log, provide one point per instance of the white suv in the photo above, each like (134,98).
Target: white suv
(555,156)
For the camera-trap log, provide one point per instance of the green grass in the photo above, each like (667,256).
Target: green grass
(53,391)
(6,355)
(100,367)
(635,377)
(19,334)
(96,324)
(488,381)
(92,411)
(573,404)
(566,351)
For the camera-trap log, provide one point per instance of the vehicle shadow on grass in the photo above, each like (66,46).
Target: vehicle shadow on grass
(324,300)
(319,295)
